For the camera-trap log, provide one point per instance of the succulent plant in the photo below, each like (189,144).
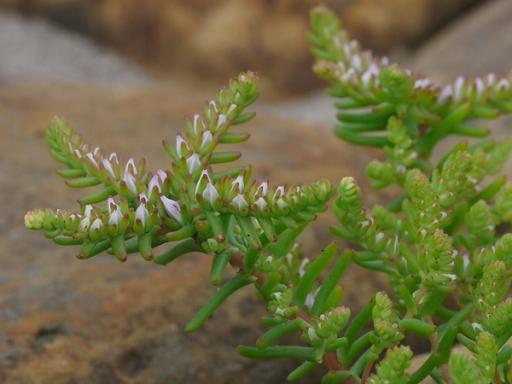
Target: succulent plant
(442,243)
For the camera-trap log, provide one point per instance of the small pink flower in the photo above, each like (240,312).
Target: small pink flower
(154,183)
(180,142)
(172,208)
(108,167)
(193,163)
(238,183)
(141,213)
(210,193)
(239,202)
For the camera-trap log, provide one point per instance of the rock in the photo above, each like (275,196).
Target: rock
(36,50)
(475,45)
(382,25)
(101,321)
(217,39)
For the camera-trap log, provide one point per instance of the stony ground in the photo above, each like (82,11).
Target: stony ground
(100,321)
(216,38)
(34,50)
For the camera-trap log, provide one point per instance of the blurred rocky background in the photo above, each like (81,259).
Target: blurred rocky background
(126,74)
(211,40)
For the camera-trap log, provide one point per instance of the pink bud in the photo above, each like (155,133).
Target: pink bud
(88,210)
(96,224)
(130,167)
(238,183)
(210,193)
(154,183)
(113,158)
(193,163)
(239,202)
(195,123)
(179,145)
(129,179)
(262,189)
(108,167)
(162,175)
(172,208)
(261,204)
(141,213)
(91,158)
(206,139)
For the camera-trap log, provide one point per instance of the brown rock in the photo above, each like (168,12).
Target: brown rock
(100,321)
(217,39)
(383,25)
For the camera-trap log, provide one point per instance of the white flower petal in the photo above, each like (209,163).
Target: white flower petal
(422,83)
(221,120)
(261,203)
(129,179)
(162,174)
(445,93)
(366,77)
(111,205)
(239,202)
(357,62)
(179,145)
(108,167)
(204,174)
(349,75)
(491,79)
(115,217)
(90,156)
(480,87)
(141,213)
(96,224)
(154,182)
(503,84)
(210,193)
(207,139)
(262,189)
(172,208)
(239,183)
(84,224)
(113,158)
(193,163)
(231,108)
(281,203)
(279,193)
(195,123)
(130,167)
(143,199)
(458,88)
(88,210)
(310,301)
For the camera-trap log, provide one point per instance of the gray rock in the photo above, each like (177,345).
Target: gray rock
(33,50)
(476,44)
